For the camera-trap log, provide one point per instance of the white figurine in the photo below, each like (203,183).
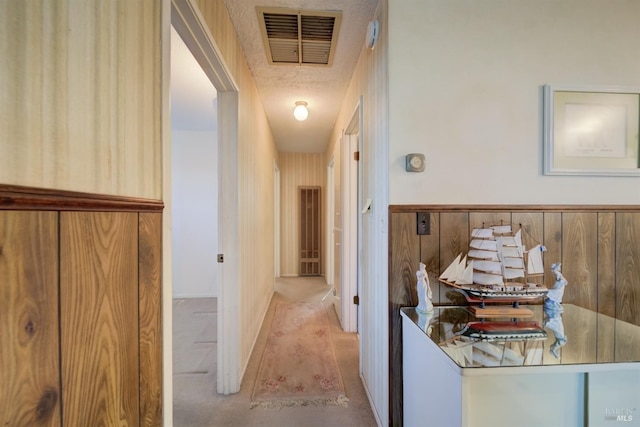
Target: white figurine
(424,291)
(553,301)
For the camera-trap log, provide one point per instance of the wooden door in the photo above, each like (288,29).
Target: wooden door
(310,228)
(29,350)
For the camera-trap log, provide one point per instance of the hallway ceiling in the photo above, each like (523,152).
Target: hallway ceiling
(322,87)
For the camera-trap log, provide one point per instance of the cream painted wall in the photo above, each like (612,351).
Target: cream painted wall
(465,81)
(256,156)
(194,216)
(464,88)
(81,96)
(297,169)
(370,83)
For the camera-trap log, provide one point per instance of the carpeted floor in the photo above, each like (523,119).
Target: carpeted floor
(197,404)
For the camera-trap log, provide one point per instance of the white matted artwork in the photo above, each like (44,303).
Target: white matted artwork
(591,131)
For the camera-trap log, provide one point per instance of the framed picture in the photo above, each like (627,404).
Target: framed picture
(591,131)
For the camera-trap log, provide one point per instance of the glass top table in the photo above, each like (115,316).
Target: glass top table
(571,337)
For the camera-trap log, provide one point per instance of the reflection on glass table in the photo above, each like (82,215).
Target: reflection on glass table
(574,336)
(553,322)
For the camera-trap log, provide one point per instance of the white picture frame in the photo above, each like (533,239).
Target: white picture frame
(591,131)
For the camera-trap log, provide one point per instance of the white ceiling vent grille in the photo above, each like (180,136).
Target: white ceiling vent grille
(294,37)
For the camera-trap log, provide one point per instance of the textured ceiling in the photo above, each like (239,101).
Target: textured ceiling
(280,86)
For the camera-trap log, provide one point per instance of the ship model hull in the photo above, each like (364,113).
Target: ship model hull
(479,293)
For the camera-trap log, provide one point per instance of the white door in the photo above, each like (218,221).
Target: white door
(351,200)
(335,224)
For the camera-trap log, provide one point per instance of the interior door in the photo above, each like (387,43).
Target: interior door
(337,233)
(351,203)
(354,226)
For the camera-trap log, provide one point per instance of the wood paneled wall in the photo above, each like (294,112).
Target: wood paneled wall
(29,357)
(598,246)
(98,304)
(80,309)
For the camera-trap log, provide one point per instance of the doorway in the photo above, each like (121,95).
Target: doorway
(310,230)
(194,176)
(351,199)
(276,219)
(334,231)
(188,24)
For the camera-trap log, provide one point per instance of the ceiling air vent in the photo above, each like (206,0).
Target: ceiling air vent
(294,37)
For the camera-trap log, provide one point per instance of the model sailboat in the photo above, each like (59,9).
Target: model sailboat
(496,267)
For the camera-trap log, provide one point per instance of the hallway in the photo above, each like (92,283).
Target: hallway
(195,401)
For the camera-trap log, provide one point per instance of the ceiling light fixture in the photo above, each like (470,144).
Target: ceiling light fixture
(300,112)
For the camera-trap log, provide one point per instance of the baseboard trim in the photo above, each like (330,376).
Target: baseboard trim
(373,407)
(193,296)
(300,275)
(255,339)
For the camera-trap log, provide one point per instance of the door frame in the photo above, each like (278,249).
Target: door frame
(334,225)
(330,223)
(192,28)
(276,221)
(351,225)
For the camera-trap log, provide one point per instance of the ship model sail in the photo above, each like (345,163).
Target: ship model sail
(497,267)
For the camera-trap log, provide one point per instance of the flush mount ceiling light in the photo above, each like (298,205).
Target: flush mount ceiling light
(300,112)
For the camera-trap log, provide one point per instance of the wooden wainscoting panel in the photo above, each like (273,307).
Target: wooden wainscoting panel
(580,258)
(430,256)
(99,318)
(606,280)
(553,243)
(532,224)
(487,219)
(454,236)
(404,249)
(29,343)
(454,239)
(150,306)
(628,267)
(606,286)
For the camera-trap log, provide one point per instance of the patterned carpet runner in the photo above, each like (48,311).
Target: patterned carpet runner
(298,366)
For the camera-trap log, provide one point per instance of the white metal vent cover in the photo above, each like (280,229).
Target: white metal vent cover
(298,36)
